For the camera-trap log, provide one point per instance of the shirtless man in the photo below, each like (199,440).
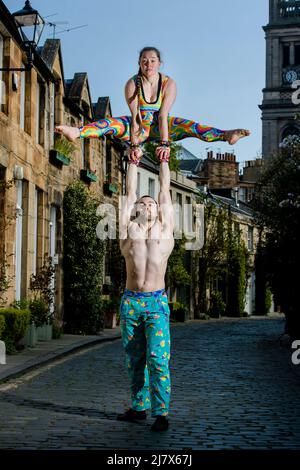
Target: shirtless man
(144,309)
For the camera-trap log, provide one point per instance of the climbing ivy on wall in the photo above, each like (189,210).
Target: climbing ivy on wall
(83,262)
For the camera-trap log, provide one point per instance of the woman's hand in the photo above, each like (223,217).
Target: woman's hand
(163,153)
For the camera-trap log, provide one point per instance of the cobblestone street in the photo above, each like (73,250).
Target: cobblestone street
(233,387)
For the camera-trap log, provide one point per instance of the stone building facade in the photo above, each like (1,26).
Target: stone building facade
(282,35)
(219,178)
(33,183)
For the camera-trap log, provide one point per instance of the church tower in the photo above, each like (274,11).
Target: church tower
(282,69)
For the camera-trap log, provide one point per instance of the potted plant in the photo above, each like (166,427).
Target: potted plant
(179,311)
(43,294)
(40,314)
(109,186)
(110,308)
(30,338)
(88,175)
(60,154)
(217,305)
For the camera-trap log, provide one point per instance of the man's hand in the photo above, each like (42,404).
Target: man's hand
(163,153)
(135,155)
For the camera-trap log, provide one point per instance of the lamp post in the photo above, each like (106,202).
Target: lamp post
(30,25)
(124,167)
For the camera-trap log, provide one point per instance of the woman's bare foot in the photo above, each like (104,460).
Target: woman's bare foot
(233,136)
(69,132)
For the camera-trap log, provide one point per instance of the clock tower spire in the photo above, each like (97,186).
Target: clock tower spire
(282,35)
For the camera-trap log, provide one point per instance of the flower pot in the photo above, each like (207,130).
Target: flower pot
(2,352)
(30,338)
(110,188)
(88,175)
(58,159)
(110,320)
(44,332)
(48,332)
(179,314)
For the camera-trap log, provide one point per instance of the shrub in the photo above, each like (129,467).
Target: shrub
(2,325)
(277,203)
(237,279)
(218,306)
(83,261)
(16,323)
(39,311)
(179,311)
(22,304)
(178,275)
(110,305)
(42,287)
(57,330)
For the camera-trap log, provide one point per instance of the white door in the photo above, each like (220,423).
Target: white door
(18,249)
(250,294)
(35,231)
(52,247)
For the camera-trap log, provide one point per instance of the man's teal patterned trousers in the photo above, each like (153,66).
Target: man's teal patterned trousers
(145,328)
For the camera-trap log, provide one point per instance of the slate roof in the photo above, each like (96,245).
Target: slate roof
(242,208)
(185,154)
(76,86)
(191,165)
(102,108)
(49,51)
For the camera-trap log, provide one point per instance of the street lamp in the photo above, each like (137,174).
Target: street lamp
(124,163)
(30,25)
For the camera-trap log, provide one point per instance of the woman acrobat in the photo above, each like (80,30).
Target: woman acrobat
(150,96)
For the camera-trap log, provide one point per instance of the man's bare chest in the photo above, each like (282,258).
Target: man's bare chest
(155,243)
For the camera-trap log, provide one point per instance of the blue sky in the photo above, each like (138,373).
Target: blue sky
(215,51)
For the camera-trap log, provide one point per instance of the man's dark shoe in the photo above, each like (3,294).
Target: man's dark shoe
(132,415)
(160,424)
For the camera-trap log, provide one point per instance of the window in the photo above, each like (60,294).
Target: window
(2,206)
(138,186)
(2,84)
(108,160)
(290,130)
(250,194)
(22,98)
(86,148)
(286,55)
(37,114)
(40,113)
(37,230)
(297,54)
(178,211)
(242,194)
(52,112)
(250,238)
(151,187)
(20,239)
(188,214)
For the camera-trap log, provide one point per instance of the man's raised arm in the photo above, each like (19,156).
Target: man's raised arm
(128,200)
(164,196)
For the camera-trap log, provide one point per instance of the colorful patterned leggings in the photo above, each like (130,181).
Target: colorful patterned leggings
(144,321)
(179,128)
